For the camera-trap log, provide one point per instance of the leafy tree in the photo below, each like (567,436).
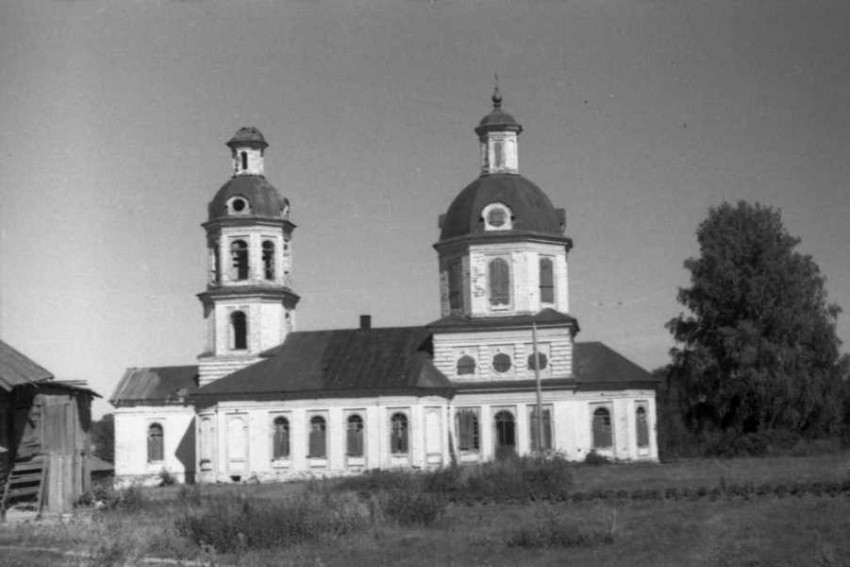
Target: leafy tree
(103,438)
(758,350)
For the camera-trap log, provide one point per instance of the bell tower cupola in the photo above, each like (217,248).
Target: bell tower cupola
(498,133)
(247,147)
(249,305)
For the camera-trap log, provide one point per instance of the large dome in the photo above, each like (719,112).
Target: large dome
(260,199)
(531,210)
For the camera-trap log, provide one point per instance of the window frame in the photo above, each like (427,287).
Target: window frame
(311,430)
(160,447)
(642,427)
(454,271)
(499,299)
(399,444)
(360,435)
(468,441)
(494,363)
(238,330)
(548,427)
(463,363)
(240,259)
(268,256)
(287,454)
(546,287)
(596,432)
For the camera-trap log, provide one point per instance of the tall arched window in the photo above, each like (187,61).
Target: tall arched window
(505,433)
(354,436)
(547,281)
(238,331)
(642,428)
(547,429)
(244,161)
(239,258)
(455,284)
(317,443)
(500,282)
(467,430)
(280,440)
(155,449)
(268,259)
(465,365)
(602,437)
(398,435)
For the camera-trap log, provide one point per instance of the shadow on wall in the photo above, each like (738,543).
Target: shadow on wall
(186,452)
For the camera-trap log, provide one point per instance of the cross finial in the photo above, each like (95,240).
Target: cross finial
(497,96)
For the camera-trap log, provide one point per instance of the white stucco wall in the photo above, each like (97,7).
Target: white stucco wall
(131,443)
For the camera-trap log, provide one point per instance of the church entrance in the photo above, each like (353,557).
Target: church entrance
(505,434)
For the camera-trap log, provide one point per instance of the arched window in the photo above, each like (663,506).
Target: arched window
(239,257)
(547,281)
(541,358)
(280,440)
(238,331)
(244,161)
(268,259)
(354,436)
(642,428)
(455,284)
(467,430)
(501,362)
(317,438)
(498,155)
(465,365)
(398,434)
(216,263)
(155,449)
(505,433)
(500,282)
(547,430)
(602,437)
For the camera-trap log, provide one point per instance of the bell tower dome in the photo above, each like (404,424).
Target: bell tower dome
(249,305)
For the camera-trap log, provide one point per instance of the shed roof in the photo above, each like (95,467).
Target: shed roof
(17,369)
(350,362)
(158,385)
(595,363)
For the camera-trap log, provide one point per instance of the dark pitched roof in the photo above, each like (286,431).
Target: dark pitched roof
(248,135)
(595,364)
(155,385)
(263,199)
(340,363)
(544,318)
(16,369)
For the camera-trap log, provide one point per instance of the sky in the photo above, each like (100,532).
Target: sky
(638,115)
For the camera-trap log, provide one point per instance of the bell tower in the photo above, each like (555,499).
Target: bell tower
(249,306)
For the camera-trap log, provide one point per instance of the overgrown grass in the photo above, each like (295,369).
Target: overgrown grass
(795,511)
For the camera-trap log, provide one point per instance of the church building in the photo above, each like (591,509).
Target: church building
(499,373)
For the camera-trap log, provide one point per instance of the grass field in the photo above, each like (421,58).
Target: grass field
(765,529)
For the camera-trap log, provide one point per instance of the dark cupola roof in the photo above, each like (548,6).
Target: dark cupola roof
(248,136)
(498,119)
(263,200)
(531,210)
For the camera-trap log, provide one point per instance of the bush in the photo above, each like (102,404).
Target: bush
(234,524)
(557,533)
(412,508)
(594,458)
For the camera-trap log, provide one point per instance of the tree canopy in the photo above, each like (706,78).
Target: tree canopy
(758,349)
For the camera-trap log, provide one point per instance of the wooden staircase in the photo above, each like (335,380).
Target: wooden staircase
(24,487)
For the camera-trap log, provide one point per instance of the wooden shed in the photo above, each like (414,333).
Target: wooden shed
(44,436)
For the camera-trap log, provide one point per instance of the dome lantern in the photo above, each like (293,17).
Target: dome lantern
(498,133)
(247,146)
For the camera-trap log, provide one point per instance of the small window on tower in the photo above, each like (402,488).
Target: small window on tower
(268,259)
(455,285)
(238,331)
(497,216)
(244,161)
(547,281)
(239,258)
